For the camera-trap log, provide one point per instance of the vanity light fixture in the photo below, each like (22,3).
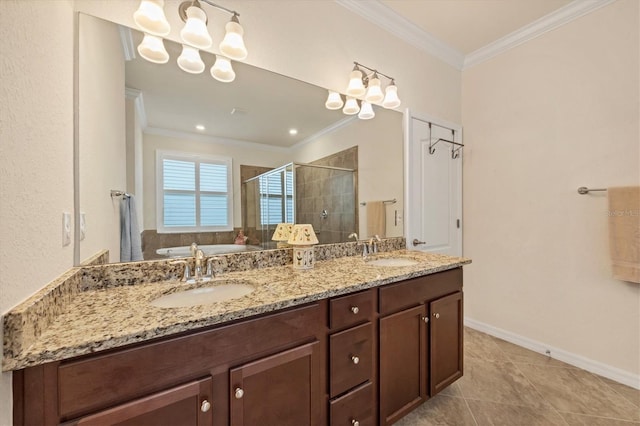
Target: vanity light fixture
(364,91)
(150,18)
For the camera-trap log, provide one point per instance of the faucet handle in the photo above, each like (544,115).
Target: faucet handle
(187,269)
(210,272)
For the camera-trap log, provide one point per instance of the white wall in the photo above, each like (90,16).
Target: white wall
(102,134)
(380,161)
(36,151)
(541,120)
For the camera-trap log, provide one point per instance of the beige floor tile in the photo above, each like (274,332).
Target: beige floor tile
(440,410)
(577,391)
(498,382)
(632,395)
(582,420)
(494,414)
(519,354)
(480,345)
(452,390)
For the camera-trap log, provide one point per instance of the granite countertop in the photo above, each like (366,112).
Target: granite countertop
(99,319)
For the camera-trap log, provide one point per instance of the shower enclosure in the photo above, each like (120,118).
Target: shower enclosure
(324,196)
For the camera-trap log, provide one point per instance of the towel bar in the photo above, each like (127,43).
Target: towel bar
(364,203)
(584,190)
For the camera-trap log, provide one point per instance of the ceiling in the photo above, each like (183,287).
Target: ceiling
(468,25)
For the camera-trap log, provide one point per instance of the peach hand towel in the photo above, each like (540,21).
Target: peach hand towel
(624,232)
(376,219)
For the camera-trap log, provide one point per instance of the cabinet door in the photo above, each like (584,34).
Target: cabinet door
(446,341)
(403,363)
(282,389)
(188,405)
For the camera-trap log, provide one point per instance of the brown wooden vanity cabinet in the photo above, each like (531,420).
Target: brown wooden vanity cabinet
(421,331)
(360,359)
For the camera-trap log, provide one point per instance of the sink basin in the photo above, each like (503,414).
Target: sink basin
(214,292)
(393,261)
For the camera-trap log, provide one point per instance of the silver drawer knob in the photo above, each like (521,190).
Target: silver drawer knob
(355,309)
(355,359)
(206,405)
(239,393)
(354,422)
(425,319)
(437,315)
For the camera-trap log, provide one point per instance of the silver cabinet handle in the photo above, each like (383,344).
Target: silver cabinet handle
(417,242)
(206,405)
(354,422)
(355,359)
(355,309)
(437,315)
(239,393)
(425,319)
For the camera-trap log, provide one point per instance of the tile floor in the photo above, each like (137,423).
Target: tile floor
(505,384)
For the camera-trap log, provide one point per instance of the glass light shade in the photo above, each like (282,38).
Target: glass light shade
(302,235)
(195,29)
(152,49)
(150,17)
(282,232)
(351,106)
(391,99)
(366,112)
(222,70)
(190,60)
(355,87)
(334,100)
(374,92)
(232,45)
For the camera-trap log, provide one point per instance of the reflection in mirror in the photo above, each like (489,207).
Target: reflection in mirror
(246,122)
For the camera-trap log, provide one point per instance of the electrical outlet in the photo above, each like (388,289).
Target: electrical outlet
(66,229)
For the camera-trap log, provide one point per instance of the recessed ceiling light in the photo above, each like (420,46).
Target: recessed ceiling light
(199,127)
(293,131)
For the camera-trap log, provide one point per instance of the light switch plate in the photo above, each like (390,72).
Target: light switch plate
(66,229)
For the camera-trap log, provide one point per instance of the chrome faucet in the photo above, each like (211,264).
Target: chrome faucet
(353,235)
(197,274)
(193,249)
(373,244)
(186,276)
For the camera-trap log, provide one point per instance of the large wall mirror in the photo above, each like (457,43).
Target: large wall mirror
(133,113)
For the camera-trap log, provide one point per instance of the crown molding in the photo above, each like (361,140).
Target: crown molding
(329,129)
(553,20)
(138,101)
(387,19)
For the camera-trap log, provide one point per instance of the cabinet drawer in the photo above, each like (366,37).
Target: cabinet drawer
(350,358)
(352,309)
(396,297)
(356,406)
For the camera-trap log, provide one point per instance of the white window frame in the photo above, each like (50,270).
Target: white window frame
(161,155)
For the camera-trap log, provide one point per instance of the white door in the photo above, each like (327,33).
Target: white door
(433,185)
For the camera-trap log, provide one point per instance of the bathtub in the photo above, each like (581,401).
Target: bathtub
(209,250)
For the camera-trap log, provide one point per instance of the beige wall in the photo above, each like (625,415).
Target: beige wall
(551,115)
(102,135)
(36,151)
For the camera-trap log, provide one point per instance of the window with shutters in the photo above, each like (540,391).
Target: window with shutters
(194,193)
(276,198)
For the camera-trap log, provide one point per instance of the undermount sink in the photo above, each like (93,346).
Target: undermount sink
(214,292)
(393,261)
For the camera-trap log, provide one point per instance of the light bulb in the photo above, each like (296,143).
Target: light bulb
(374,92)
(334,100)
(195,31)
(355,87)
(366,111)
(190,60)
(150,17)
(152,49)
(391,99)
(351,106)
(232,45)
(222,70)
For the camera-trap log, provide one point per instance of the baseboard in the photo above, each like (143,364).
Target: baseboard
(613,373)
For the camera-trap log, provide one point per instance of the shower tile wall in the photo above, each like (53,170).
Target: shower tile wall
(331,190)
